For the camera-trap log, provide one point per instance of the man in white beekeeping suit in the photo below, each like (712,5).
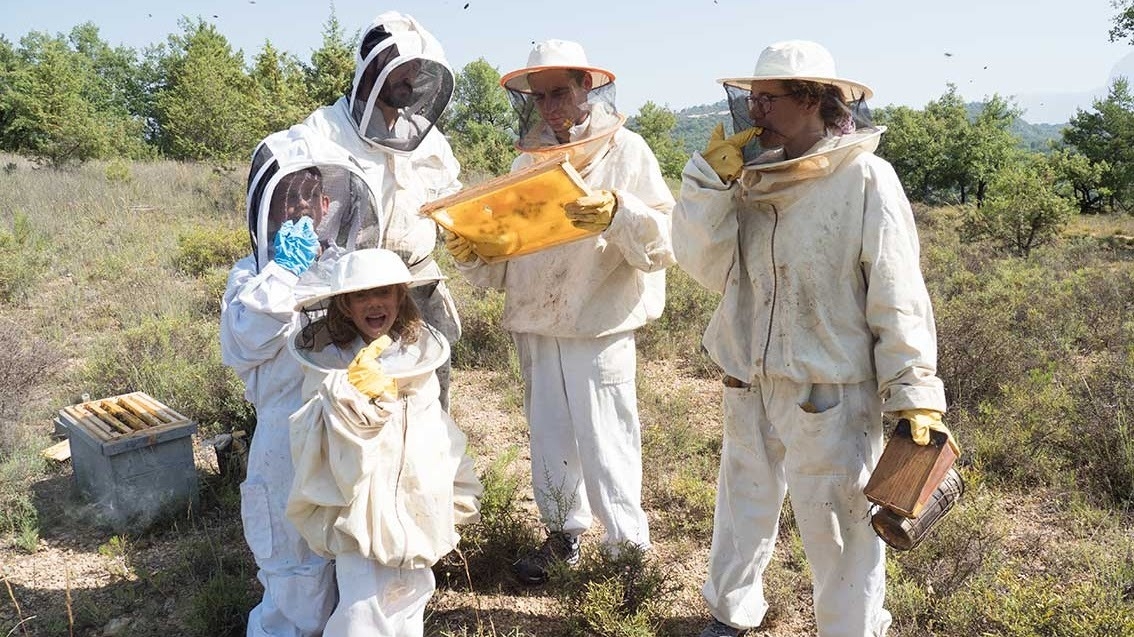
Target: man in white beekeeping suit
(402,83)
(572,309)
(307,204)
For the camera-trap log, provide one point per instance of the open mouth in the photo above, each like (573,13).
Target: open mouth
(376,321)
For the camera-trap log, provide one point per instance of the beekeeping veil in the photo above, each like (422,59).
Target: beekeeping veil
(564,104)
(797,61)
(297,173)
(402,83)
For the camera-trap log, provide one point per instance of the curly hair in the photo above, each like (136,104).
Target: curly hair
(832,109)
(341,331)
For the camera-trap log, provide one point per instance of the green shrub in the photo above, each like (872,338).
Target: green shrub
(220,607)
(203,248)
(118,171)
(489,547)
(23,258)
(614,593)
(483,343)
(177,361)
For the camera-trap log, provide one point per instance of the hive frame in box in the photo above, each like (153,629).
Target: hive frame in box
(515,214)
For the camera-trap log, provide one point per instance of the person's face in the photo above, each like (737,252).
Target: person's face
(374,311)
(398,89)
(778,112)
(299,195)
(558,97)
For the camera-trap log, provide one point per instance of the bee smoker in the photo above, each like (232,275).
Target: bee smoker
(913,486)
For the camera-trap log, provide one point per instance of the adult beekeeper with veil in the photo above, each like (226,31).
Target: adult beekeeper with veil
(401,85)
(308,203)
(572,309)
(824,324)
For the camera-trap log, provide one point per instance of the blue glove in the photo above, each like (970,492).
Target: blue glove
(296,245)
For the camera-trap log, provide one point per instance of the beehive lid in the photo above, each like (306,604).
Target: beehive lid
(126,422)
(515,214)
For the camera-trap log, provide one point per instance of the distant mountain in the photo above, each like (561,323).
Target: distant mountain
(696,123)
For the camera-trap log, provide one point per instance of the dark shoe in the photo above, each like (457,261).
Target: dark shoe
(558,547)
(720,629)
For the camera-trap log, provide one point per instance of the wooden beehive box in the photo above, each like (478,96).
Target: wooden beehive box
(908,473)
(515,214)
(132,457)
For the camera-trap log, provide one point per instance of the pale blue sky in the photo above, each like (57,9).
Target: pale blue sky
(670,51)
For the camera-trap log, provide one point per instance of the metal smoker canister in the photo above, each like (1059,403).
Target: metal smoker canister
(904,533)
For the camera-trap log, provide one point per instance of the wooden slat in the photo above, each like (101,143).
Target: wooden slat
(132,421)
(58,452)
(97,428)
(105,416)
(167,414)
(130,402)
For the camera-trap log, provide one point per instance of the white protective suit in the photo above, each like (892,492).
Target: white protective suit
(823,303)
(380,486)
(572,310)
(404,175)
(257,312)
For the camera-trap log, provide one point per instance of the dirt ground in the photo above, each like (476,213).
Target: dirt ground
(78,581)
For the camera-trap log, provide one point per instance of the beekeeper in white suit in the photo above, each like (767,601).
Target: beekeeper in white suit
(401,85)
(572,309)
(824,324)
(306,201)
(381,474)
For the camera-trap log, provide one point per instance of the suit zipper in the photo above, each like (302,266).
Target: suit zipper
(398,481)
(775,290)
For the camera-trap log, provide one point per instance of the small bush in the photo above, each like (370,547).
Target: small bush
(220,607)
(23,257)
(489,547)
(483,343)
(177,361)
(615,592)
(677,333)
(118,171)
(201,248)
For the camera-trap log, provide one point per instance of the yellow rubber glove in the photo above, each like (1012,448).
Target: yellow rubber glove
(459,247)
(365,372)
(724,155)
(922,421)
(592,212)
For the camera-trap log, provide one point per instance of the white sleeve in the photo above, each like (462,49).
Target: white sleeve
(898,307)
(641,228)
(256,315)
(705,225)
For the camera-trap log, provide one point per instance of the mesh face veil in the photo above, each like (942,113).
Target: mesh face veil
(295,174)
(402,83)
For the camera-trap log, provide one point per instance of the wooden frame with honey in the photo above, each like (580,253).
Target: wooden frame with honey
(515,214)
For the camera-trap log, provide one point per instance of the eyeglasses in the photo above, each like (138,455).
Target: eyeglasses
(763,100)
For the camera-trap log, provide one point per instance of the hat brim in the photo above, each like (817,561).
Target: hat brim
(321,300)
(518,80)
(851,89)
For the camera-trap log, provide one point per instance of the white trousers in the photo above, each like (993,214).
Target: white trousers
(586,441)
(299,590)
(377,600)
(772,446)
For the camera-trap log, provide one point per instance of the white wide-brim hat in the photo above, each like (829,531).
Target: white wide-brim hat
(555,54)
(800,60)
(355,271)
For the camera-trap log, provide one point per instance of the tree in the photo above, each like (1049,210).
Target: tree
(910,146)
(991,146)
(1122,24)
(42,100)
(281,90)
(1022,212)
(1106,134)
(1080,180)
(655,124)
(479,120)
(332,65)
(207,108)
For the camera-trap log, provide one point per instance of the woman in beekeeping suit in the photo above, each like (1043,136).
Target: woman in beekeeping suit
(824,324)
(402,83)
(572,309)
(307,205)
